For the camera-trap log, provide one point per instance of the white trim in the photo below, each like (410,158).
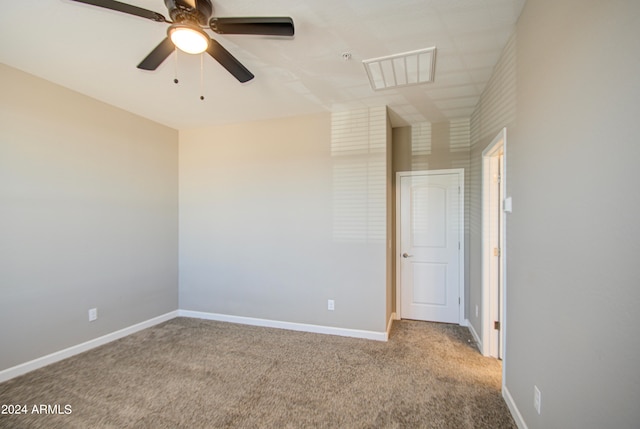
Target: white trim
(488,348)
(43,361)
(465,322)
(476,337)
(304,327)
(40,362)
(461,262)
(515,412)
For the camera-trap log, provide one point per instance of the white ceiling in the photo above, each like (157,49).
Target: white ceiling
(95,51)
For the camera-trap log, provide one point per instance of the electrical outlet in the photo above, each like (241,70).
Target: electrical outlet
(537,398)
(93,314)
(331,305)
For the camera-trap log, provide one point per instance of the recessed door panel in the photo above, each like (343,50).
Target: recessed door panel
(428,220)
(430,283)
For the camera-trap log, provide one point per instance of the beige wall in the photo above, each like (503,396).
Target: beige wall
(433,146)
(88,218)
(496,110)
(572,240)
(277,217)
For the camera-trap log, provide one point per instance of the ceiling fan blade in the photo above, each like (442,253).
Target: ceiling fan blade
(273,26)
(158,55)
(126,8)
(229,62)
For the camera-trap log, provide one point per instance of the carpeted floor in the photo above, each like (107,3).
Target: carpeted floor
(189,373)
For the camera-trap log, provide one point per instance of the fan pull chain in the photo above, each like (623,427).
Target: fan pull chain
(202,76)
(175,68)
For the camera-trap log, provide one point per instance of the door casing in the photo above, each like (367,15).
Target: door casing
(493,285)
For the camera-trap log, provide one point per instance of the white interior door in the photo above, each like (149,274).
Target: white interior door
(430,216)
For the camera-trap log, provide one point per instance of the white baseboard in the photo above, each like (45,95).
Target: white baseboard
(515,413)
(464,322)
(317,329)
(40,362)
(476,337)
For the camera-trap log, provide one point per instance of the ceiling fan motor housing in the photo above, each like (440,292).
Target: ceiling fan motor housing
(197,11)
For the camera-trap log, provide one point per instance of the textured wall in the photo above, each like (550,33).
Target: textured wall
(435,146)
(495,110)
(278,216)
(573,237)
(88,218)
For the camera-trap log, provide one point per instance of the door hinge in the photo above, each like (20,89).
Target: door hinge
(458,245)
(496,325)
(458,300)
(496,251)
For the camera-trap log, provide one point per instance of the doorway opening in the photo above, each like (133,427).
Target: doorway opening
(493,247)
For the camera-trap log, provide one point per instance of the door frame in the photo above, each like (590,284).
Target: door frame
(493,345)
(399,175)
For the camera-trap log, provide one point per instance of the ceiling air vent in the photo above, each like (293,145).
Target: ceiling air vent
(408,68)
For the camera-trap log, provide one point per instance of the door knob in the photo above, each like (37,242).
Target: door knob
(406,255)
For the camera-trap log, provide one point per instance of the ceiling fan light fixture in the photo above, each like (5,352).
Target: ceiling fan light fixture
(188,38)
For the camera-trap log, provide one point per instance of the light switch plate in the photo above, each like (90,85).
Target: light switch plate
(508,205)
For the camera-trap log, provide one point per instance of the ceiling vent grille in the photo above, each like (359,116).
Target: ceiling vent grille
(408,68)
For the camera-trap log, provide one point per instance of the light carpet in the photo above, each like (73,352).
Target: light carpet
(190,373)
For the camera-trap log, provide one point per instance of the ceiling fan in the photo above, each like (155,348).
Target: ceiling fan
(189,19)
